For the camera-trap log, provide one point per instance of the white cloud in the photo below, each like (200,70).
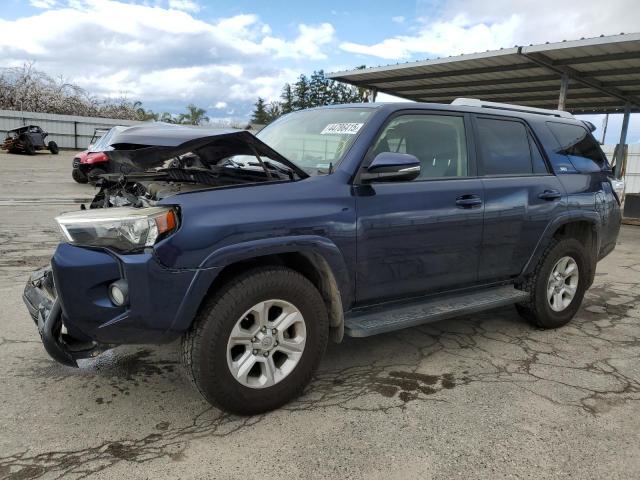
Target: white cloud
(42,3)
(398,19)
(161,54)
(459,35)
(468,26)
(186,5)
(308,44)
(220,105)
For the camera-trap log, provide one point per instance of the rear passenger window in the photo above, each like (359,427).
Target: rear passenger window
(505,147)
(575,141)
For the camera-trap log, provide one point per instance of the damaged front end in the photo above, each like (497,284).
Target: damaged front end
(44,307)
(76,315)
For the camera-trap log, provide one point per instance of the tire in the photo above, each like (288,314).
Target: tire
(53,147)
(93,174)
(539,309)
(205,351)
(79,176)
(29,149)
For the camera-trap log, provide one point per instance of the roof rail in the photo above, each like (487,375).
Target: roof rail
(474,102)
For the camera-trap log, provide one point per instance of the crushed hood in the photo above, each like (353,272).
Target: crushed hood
(146,146)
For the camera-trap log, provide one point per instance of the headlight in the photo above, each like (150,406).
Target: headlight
(121,228)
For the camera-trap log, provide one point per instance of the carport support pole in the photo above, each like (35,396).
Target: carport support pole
(373,93)
(564,86)
(623,140)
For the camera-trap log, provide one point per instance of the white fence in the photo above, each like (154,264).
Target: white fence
(68,131)
(632,173)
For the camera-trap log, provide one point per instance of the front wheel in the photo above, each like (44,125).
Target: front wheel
(79,176)
(93,175)
(256,343)
(29,148)
(53,147)
(557,285)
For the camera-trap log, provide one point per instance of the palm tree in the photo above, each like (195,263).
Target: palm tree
(194,116)
(166,117)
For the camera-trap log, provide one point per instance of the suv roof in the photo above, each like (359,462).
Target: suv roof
(24,128)
(475,106)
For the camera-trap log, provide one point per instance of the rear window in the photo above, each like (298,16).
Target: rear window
(575,142)
(507,148)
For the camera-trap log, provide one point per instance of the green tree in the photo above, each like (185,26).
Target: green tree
(273,110)
(166,117)
(319,88)
(260,115)
(287,99)
(301,93)
(143,114)
(314,91)
(194,115)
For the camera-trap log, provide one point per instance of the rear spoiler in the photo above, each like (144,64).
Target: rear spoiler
(589,125)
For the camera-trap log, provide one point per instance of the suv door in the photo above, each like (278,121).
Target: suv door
(421,235)
(521,195)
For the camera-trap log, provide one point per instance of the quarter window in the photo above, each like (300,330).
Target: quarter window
(438,141)
(505,147)
(575,141)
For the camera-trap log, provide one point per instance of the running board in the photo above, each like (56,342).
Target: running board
(387,318)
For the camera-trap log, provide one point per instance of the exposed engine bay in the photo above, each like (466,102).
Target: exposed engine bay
(149,163)
(145,189)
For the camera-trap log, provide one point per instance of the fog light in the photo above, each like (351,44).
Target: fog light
(119,293)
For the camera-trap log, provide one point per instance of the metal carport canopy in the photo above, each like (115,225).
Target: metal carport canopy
(599,75)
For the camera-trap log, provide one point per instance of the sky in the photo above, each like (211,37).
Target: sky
(223,54)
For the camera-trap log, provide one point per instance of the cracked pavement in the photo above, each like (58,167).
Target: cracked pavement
(483,396)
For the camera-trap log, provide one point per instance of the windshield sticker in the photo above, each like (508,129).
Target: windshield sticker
(341,129)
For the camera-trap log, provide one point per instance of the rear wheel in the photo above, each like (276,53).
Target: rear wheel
(557,285)
(53,147)
(256,343)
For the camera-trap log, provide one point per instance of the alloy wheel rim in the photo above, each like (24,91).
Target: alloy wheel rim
(562,284)
(266,343)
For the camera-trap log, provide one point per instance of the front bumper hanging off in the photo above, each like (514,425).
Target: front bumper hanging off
(44,307)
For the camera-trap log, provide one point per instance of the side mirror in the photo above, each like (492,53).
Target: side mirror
(392,167)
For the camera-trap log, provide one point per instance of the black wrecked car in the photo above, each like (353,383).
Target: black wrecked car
(28,139)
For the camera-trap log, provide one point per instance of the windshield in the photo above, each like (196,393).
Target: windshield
(315,140)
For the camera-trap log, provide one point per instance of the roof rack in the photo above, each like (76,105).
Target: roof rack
(474,102)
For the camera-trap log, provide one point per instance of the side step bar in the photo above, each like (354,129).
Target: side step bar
(387,318)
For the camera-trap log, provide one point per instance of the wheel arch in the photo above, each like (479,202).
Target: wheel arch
(318,259)
(582,226)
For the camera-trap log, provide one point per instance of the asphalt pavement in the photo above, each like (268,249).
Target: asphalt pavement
(482,396)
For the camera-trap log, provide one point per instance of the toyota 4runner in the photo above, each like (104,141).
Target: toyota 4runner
(345,220)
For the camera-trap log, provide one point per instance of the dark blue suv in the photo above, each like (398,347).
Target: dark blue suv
(357,220)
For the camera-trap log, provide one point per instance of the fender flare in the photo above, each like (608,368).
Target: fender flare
(306,244)
(321,251)
(591,217)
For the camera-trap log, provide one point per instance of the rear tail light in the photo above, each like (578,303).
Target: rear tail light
(97,157)
(618,188)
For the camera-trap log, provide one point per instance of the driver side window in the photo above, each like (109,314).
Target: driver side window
(438,141)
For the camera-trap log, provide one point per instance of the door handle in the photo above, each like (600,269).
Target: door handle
(550,195)
(468,201)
